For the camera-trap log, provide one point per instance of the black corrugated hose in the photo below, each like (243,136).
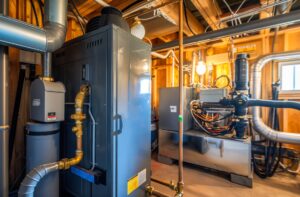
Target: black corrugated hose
(273,150)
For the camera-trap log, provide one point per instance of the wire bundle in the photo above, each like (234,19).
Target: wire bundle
(210,123)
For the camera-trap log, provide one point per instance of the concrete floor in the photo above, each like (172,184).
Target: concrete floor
(199,183)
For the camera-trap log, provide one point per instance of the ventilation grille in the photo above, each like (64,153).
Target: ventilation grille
(94,43)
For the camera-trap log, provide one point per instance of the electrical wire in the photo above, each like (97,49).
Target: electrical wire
(41,6)
(78,20)
(186,18)
(35,13)
(221,77)
(77,15)
(204,128)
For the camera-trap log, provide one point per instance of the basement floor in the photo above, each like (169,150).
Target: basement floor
(200,183)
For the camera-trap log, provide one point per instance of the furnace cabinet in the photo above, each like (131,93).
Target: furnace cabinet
(116,65)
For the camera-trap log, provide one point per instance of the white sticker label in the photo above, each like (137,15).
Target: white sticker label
(142,177)
(173,109)
(36,102)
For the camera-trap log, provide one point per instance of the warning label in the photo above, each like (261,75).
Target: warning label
(51,116)
(136,181)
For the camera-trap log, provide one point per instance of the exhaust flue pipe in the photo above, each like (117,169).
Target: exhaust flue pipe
(259,126)
(22,35)
(34,177)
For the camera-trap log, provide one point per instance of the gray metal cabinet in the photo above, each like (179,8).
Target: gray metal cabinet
(117,67)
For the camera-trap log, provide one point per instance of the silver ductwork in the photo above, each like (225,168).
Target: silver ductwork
(31,180)
(22,35)
(259,126)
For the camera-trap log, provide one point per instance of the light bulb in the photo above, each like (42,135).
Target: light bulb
(138,30)
(201,68)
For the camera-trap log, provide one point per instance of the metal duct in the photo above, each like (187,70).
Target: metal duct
(31,180)
(4,116)
(22,35)
(259,126)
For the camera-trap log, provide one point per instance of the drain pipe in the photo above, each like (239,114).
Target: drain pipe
(4,121)
(32,179)
(22,35)
(259,126)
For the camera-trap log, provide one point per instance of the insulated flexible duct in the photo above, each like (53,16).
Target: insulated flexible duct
(258,124)
(34,177)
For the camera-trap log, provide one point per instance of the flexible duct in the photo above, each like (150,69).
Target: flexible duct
(22,35)
(32,179)
(258,124)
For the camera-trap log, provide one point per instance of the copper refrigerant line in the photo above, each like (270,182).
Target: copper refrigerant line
(178,188)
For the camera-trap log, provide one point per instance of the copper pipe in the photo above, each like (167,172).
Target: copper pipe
(152,192)
(180,183)
(170,184)
(78,116)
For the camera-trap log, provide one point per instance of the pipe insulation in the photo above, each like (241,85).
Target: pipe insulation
(259,126)
(22,35)
(32,179)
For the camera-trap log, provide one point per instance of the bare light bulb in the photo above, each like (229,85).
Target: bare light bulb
(138,30)
(201,68)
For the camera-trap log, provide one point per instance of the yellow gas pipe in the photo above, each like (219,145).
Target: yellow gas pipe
(78,116)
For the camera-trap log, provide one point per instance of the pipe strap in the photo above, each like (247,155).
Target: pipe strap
(4,127)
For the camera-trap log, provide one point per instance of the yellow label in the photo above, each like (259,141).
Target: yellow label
(132,184)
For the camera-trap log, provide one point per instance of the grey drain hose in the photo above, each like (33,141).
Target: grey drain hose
(31,180)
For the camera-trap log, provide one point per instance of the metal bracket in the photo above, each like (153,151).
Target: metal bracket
(4,127)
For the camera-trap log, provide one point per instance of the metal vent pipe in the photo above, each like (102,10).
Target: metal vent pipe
(259,126)
(4,121)
(22,35)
